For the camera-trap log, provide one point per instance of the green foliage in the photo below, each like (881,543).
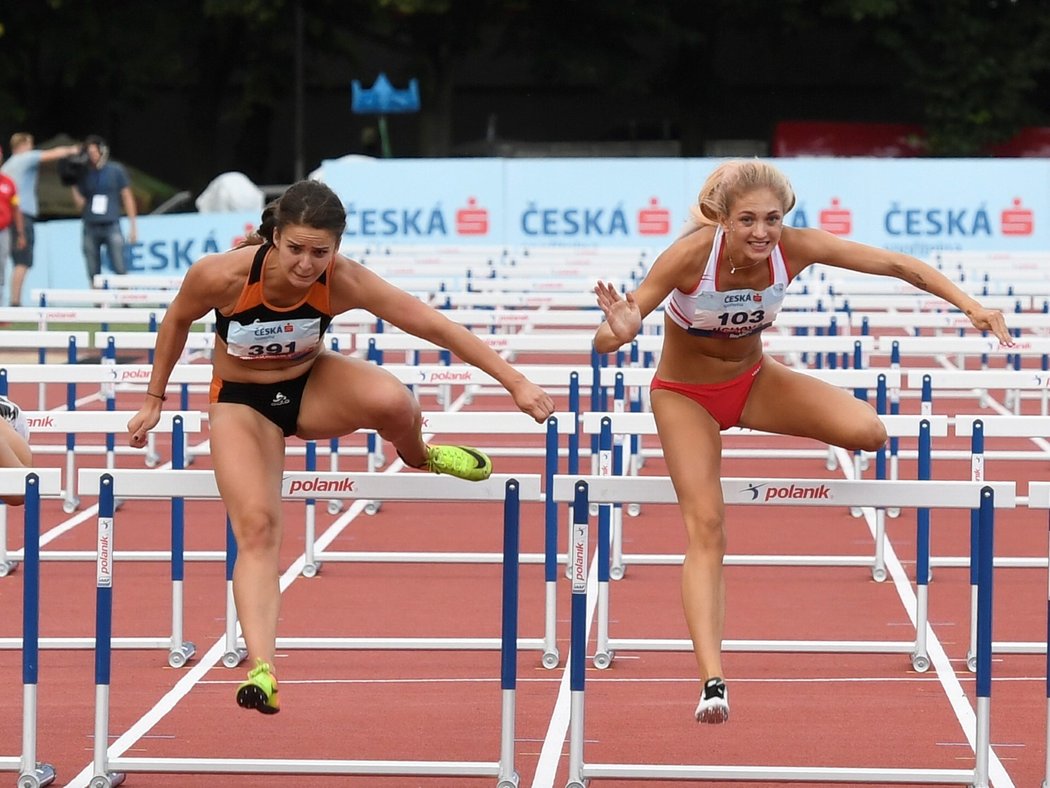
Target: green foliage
(974,71)
(975,65)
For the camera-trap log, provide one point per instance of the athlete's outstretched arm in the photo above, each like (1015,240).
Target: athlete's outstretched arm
(817,246)
(195,298)
(411,315)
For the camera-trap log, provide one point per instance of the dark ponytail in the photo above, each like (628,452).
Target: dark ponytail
(264,232)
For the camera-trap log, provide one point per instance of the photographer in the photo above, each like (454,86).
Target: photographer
(100,189)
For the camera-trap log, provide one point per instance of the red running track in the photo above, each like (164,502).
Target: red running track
(789,709)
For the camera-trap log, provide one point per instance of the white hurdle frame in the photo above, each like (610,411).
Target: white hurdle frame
(108,422)
(644,423)
(1039,498)
(611,514)
(79,422)
(488,423)
(52,297)
(42,341)
(978,382)
(33,483)
(581,490)
(303,485)
(581,342)
(977,428)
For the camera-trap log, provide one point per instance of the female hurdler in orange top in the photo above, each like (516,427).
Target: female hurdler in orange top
(273,298)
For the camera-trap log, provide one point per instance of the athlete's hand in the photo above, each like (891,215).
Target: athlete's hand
(992,320)
(533,400)
(622,315)
(142,422)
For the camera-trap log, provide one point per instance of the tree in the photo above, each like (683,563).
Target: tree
(979,68)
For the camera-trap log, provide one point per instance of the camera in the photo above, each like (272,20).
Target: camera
(71,168)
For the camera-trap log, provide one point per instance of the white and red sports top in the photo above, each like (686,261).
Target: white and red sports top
(729,314)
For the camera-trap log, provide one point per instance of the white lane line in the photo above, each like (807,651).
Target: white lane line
(554,741)
(938,658)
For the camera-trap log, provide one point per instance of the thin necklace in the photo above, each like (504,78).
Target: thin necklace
(733,267)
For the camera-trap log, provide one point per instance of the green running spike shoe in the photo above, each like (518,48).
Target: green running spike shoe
(260,690)
(460,461)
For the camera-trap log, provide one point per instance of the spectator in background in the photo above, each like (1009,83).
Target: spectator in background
(100,189)
(10,214)
(24,169)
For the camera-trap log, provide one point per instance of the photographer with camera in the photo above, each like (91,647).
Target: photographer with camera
(100,189)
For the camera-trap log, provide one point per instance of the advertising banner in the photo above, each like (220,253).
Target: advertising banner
(917,206)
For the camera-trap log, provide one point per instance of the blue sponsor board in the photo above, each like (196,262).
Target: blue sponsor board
(595,202)
(419,201)
(917,206)
(922,206)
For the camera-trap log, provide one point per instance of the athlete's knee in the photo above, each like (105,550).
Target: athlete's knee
(395,408)
(258,532)
(868,435)
(706,531)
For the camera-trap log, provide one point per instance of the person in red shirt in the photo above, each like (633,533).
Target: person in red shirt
(9,214)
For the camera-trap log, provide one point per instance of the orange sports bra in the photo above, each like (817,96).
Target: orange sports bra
(257,330)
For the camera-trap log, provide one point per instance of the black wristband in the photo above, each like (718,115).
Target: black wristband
(161,397)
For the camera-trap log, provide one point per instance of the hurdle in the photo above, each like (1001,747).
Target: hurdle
(1039,498)
(939,321)
(109,423)
(924,302)
(511,490)
(489,423)
(70,422)
(179,649)
(34,483)
(111,376)
(1008,357)
(581,491)
(43,341)
(612,427)
(978,382)
(977,428)
(136,282)
(75,297)
(610,516)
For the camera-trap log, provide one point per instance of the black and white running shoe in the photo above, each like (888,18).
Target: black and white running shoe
(13,415)
(714,702)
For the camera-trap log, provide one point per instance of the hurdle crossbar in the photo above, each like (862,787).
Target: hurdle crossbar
(644,423)
(1039,498)
(510,490)
(43,339)
(32,483)
(581,490)
(137,483)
